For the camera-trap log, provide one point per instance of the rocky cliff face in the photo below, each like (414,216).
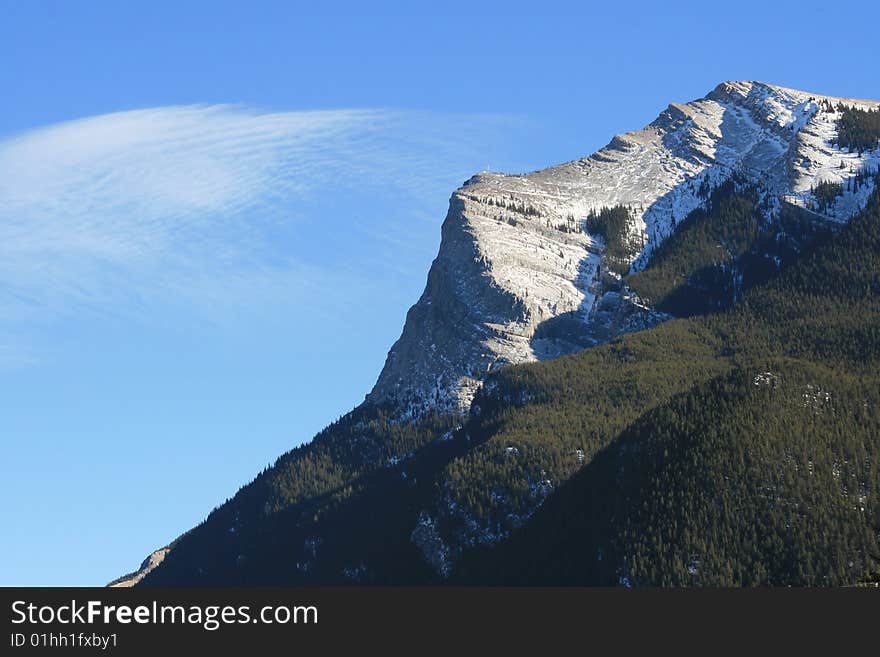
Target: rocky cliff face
(518,278)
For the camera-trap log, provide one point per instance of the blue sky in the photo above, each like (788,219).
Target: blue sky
(213,216)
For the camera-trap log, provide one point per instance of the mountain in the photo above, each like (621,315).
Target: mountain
(761,469)
(657,364)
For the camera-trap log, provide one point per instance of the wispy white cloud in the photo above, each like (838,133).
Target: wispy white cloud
(187,203)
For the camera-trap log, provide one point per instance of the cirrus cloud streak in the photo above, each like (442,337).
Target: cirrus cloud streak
(200,204)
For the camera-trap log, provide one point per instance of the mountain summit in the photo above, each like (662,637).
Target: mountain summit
(519,277)
(540,421)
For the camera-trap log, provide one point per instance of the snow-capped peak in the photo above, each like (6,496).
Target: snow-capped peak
(518,279)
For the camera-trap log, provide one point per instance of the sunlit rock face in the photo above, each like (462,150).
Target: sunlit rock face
(519,278)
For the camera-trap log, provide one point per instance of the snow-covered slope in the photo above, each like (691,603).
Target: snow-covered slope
(517,277)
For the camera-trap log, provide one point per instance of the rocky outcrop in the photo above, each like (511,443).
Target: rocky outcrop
(146,566)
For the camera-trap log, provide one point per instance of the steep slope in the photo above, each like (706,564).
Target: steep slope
(430,467)
(767,474)
(515,254)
